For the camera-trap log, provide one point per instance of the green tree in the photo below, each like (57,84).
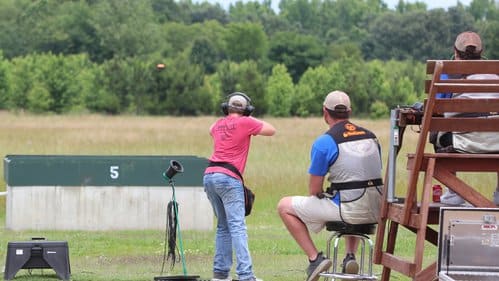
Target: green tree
(244,77)
(379,110)
(205,11)
(251,81)
(4,82)
(418,35)
(125,28)
(490,38)
(132,82)
(314,86)
(403,82)
(227,75)
(297,52)
(344,21)
(303,15)
(212,89)
(55,79)
(245,41)
(258,12)
(39,99)
(182,91)
(204,53)
(171,10)
(102,99)
(13,40)
(21,81)
(280,92)
(483,9)
(178,37)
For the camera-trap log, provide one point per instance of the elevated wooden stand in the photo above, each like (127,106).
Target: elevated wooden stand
(417,211)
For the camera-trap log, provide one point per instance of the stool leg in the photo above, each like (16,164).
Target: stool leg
(335,252)
(362,254)
(365,238)
(366,241)
(371,250)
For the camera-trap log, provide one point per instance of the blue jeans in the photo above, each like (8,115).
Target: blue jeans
(227,199)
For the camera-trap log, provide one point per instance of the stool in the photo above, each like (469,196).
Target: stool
(361,231)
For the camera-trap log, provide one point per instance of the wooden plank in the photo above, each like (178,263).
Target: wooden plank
(466,105)
(462,162)
(442,87)
(466,191)
(459,81)
(464,66)
(442,124)
(398,264)
(456,155)
(429,273)
(424,209)
(432,236)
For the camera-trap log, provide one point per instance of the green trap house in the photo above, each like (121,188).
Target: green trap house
(55,192)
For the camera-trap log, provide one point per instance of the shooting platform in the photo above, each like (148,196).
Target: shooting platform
(415,212)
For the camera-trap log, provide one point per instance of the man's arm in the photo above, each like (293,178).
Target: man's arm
(267,129)
(315,185)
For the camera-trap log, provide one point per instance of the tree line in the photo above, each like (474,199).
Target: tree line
(107,56)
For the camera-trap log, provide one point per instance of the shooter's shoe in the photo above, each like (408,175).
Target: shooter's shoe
(320,264)
(350,265)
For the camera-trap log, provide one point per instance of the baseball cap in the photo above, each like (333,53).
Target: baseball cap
(468,38)
(337,101)
(238,101)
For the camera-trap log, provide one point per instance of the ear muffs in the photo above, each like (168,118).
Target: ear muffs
(247,111)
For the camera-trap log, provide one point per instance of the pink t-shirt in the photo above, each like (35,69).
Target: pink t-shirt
(231,136)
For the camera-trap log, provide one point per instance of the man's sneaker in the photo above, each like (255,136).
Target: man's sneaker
(320,264)
(350,265)
(496,198)
(216,279)
(451,198)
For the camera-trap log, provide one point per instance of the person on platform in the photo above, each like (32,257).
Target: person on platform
(468,46)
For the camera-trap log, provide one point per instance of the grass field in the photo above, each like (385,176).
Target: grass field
(277,166)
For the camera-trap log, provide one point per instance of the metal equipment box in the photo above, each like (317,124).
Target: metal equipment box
(468,244)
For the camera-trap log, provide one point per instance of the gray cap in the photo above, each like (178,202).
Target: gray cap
(337,101)
(238,101)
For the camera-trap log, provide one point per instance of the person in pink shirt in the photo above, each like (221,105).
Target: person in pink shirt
(231,136)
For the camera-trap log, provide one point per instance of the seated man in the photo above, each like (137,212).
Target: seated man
(468,46)
(348,157)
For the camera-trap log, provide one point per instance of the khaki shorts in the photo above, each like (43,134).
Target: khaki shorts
(315,212)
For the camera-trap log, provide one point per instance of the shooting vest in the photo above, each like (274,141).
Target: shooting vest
(476,142)
(356,174)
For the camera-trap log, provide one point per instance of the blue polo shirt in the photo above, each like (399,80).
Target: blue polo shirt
(444,95)
(322,155)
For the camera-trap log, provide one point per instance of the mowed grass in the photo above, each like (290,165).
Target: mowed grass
(277,167)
